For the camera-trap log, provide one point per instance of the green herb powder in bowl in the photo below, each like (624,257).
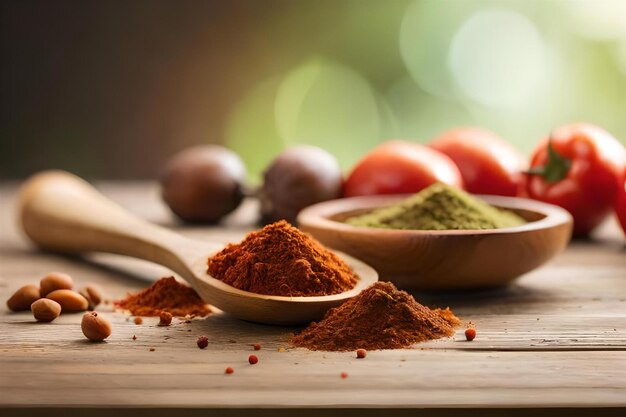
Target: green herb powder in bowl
(438,207)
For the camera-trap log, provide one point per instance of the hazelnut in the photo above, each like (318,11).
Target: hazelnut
(45,310)
(203,183)
(69,300)
(299,177)
(23,298)
(92,294)
(55,281)
(95,327)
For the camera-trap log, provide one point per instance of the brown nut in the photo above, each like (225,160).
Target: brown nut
(95,327)
(45,309)
(69,300)
(92,294)
(23,298)
(55,281)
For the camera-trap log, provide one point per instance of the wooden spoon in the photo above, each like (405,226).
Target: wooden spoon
(61,212)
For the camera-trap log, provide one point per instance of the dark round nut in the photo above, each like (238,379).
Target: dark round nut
(299,177)
(23,298)
(45,310)
(55,281)
(95,327)
(203,183)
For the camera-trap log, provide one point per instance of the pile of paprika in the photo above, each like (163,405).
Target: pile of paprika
(281,260)
(380,317)
(165,296)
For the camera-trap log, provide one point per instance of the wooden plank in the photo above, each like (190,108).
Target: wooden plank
(555,338)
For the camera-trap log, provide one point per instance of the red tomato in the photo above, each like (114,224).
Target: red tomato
(488,164)
(579,167)
(399,167)
(620,205)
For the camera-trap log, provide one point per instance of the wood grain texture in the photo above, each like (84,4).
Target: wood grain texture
(555,338)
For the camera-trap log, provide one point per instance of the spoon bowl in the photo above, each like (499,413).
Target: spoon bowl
(443,259)
(60,212)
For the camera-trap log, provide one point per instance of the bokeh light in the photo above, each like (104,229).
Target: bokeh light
(330,105)
(422,115)
(498,58)
(426,32)
(601,20)
(251,131)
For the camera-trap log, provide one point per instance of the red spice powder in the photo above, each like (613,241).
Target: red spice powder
(281,260)
(380,317)
(165,295)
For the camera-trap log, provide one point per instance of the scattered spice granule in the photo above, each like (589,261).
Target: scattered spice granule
(229,370)
(134,337)
(253,359)
(202,342)
(165,295)
(344,375)
(361,353)
(165,318)
(257,346)
(470,334)
(281,260)
(281,349)
(380,317)
(152,349)
(138,320)
(448,316)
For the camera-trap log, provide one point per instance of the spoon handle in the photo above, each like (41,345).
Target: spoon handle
(61,212)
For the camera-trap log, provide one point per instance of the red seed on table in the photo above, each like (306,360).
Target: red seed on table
(361,353)
(470,334)
(257,346)
(165,318)
(344,375)
(252,359)
(202,342)
(229,370)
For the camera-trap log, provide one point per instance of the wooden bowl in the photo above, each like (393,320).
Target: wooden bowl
(443,259)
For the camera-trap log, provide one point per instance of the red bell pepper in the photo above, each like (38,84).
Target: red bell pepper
(580,167)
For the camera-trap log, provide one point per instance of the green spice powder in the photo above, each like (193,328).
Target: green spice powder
(438,207)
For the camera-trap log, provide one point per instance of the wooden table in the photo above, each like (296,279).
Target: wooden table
(557,338)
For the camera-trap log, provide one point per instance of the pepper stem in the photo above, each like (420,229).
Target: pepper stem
(555,169)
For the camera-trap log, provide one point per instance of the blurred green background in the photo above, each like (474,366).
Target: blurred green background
(112,89)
